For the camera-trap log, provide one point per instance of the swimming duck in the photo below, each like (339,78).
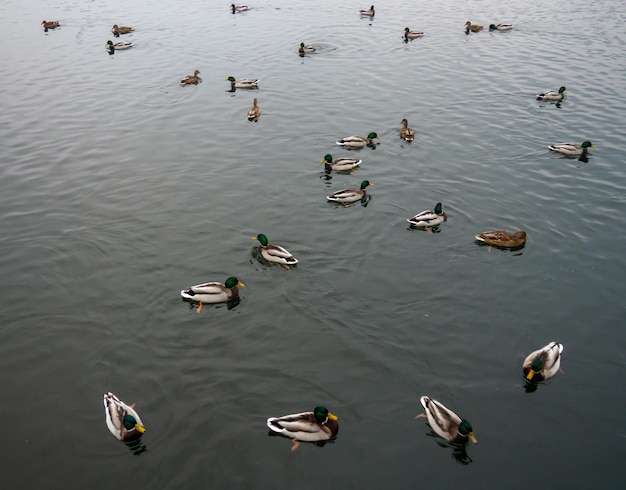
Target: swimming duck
(500,27)
(552,95)
(359,141)
(122,420)
(238,8)
(340,164)
(472,27)
(407,133)
(306,49)
(543,363)
(318,425)
(446,423)
(52,24)
(213,292)
(254,113)
(117,30)
(409,34)
(350,195)
(502,239)
(191,79)
(368,12)
(428,219)
(275,253)
(571,149)
(243,82)
(118,46)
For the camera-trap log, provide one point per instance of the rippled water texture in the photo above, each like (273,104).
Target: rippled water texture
(119,188)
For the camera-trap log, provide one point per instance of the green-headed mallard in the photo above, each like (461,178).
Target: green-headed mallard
(350,195)
(472,27)
(306,49)
(52,24)
(117,30)
(213,292)
(318,425)
(118,46)
(359,141)
(409,34)
(275,253)
(500,27)
(428,219)
(543,363)
(368,12)
(502,238)
(238,8)
(243,82)
(446,423)
(340,164)
(122,420)
(407,133)
(254,113)
(191,79)
(551,95)
(571,149)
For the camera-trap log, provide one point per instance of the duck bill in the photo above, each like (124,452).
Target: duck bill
(322,161)
(241,284)
(331,416)
(472,438)
(140,428)
(530,375)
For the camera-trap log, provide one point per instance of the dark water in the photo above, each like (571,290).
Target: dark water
(119,188)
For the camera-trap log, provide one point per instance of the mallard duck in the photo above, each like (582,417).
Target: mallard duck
(213,292)
(571,149)
(191,79)
(122,420)
(409,34)
(52,24)
(254,113)
(446,423)
(350,195)
(306,49)
(118,46)
(473,27)
(318,425)
(552,95)
(243,82)
(359,141)
(407,133)
(340,164)
(428,219)
(502,239)
(117,30)
(275,253)
(500,27)
(368,12)
(238,8)
(543,363)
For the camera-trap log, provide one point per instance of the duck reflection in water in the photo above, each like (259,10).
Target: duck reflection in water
(195,305)
(459,452)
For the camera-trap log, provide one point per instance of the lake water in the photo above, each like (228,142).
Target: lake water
(119,188)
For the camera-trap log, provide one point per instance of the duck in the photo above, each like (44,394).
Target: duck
(122,419)
(50,24)
(428,219)
(407,133)
(238,8)
(446,423)
(359,141)
(340,164)
(275,253)
(191,79)
(345,196)
(409,34)
(117,30)
(500,27)
(472,27)
(118,46)
(254,113)
(243,82)
(213,292)
(368,12)
(552,95)
(543,363)
(571,149)
(502,238)
(306,49)
(315,426)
